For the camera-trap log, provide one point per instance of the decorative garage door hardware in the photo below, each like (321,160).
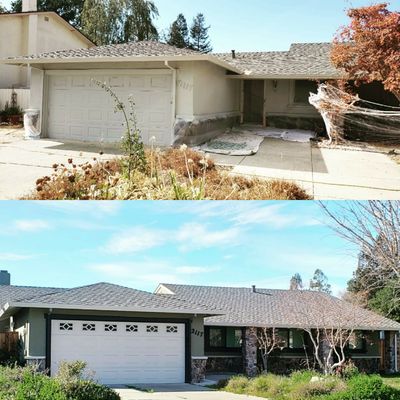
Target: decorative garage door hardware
(66,326)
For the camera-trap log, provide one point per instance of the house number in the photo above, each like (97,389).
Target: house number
(197,333)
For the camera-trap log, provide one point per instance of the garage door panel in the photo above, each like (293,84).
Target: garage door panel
(134,353)
(76,98)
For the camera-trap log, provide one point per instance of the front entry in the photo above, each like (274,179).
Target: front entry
(253,102)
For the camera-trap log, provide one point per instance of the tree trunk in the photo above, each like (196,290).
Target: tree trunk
(265,363)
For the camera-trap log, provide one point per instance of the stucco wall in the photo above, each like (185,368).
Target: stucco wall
(32,34)
(37,327)
(280,101)
(214,92)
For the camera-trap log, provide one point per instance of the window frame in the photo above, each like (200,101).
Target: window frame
(224,329)
(364,349)
(292,101)
(292,349)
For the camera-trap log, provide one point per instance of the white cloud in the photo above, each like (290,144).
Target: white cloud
(14,257)
(135,240)
(195,236)
(32,225)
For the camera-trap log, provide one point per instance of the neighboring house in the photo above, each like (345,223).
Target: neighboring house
(231,338)
(125,335)
(176,334)
(33,32)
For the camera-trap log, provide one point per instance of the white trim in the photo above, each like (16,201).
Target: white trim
(285,77)
(199,358)
(74,72)
(111,308)
(89,60)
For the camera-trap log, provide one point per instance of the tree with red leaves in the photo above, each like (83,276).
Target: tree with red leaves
(369,48)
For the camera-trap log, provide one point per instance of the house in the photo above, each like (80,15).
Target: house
(125,335)
(230,339)
(178,333)
(33,32)
(181,96)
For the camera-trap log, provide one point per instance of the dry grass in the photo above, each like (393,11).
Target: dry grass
(170,175)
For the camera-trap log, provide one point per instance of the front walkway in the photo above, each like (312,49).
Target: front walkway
(177,392)
(326,173)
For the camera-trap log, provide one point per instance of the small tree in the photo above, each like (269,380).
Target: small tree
(369,48)
(268,341)
(296,283)
(200,40)
(178,34)
(319,283)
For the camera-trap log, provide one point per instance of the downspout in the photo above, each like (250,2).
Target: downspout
(174,83)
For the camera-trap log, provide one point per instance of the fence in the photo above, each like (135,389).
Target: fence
(9,341)
(23,96)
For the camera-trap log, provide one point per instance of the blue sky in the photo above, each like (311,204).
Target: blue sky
(256,25)
(140,244)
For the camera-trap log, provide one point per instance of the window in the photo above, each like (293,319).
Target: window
(216,337)
(152,329)
(223,339)
(132,328)
(66,326)
(110,328)
(172,329)
(290,339)
(88,327)
(357,342)
(302,91)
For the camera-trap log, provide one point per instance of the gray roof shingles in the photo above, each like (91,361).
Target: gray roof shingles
(131,49)
(16,293)
(310,60)
(303,59)
(281,308)
(102,296)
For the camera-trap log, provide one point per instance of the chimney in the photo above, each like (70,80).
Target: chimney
(5,278)
(233,54)
(254,289)
(29,5)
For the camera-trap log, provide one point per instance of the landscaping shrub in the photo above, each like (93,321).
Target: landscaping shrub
(311,390)
(86,390)
(238,384)
(170,175)
(365,387)
(34,386)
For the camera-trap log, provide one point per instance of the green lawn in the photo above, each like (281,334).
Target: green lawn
(393,381)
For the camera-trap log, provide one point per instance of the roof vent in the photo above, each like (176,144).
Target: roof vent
(233,54)
(5,278)
(254,288)
(29,5)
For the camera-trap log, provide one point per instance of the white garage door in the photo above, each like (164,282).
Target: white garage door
(77,109)
(122,352)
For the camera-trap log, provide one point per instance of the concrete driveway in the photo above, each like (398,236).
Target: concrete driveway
(23,162)
(178,392)
(326,173)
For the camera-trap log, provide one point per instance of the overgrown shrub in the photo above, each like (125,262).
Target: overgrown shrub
(365,387)
(170,175)
(86,390)
(34,386)
(238,384)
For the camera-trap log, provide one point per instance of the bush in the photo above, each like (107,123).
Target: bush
(34,386)
(311,390)
(86,390)
(237,384)
(364,387)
